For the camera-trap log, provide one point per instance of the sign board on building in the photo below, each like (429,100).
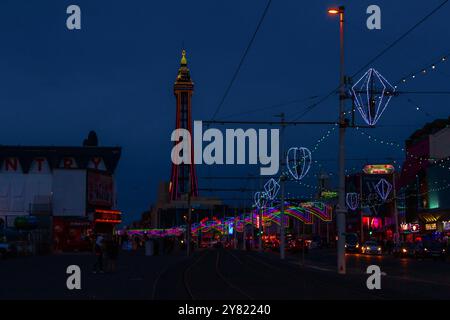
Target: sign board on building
(430,226)
(378,169)
(100,189)
(446,225)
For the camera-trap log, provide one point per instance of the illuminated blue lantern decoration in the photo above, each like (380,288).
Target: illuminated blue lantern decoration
(298,162)
(260,199)
(351,199)
(383,189)
(371,94)
(271,187)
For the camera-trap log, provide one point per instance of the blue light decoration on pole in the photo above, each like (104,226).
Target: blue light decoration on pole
(383,189)
(298,162)
(372,93)
(272,188)
(351,199)
(260,199)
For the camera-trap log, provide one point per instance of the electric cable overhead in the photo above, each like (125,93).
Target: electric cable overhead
(376,57)
(241,62)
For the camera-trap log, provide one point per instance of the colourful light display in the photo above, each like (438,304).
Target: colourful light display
(303,212)
(378,169)
(372,93)
(260,199)
(351,199)
(272,187)
(298,161)
(383,189)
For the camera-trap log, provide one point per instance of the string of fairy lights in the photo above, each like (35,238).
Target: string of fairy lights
(423,70)
(443,163)
(443,187)
(439,162)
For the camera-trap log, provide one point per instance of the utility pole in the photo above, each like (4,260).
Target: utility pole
(244,231)
(341,210)
(234,229)
(260,212)
(282,182)
(189,225)
(361,206)
(396,234)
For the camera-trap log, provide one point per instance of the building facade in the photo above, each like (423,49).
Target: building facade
(425,182)
(68,192)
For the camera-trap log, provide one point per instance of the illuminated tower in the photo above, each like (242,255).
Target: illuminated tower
(183,174)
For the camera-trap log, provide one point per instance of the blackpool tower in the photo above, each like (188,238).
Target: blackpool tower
(183,178)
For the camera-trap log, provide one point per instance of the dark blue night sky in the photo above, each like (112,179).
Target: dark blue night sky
(116,76)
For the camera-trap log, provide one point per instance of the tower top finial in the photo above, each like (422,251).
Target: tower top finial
(183,58)
(183,71)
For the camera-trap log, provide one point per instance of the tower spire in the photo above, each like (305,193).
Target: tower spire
(183,58)
(183,178)
(183,71)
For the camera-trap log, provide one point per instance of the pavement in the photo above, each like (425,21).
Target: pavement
(220,274)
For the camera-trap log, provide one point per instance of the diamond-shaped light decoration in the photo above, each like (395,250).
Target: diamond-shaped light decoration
(260,199)
(383,189)
(352,200)
(298,162)
(372,93)
(271,187)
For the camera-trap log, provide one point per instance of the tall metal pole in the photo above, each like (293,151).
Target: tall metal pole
(244,231)
(189,225)
(361,207)
(341,210)
(396,234)
(282,219)
(304,244)
(282,182)
(260,230)
(234,229)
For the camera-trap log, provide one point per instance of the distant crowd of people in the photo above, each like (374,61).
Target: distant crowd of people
(107,248)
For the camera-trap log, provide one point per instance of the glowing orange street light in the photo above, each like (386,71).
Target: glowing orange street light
(333,11)
(336,10)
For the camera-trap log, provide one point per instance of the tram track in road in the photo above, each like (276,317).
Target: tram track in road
(186,275)
(211,283)
(317,282)
(160,275)
(230,284)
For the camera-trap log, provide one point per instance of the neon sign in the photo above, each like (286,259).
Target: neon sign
(378,169)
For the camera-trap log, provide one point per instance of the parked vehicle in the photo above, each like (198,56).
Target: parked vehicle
(297,245)
(405,249)
(433,249)
(11,243)
(371,247)
(351,243)
(316,243)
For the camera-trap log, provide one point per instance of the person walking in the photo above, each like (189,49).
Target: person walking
(112,252)
(98,250)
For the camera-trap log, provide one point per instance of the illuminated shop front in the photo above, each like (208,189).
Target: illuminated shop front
(62,188)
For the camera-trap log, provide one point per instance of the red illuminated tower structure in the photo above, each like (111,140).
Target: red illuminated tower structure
(183,179)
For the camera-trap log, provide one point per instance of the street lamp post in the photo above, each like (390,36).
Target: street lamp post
(189,226)
(283,179)
(341,210)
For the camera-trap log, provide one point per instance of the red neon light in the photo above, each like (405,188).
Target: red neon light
(108,211)
(108,221)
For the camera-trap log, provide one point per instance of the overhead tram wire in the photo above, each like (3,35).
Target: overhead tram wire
(401,37)
(273,106)
(241,62)
(311,107)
